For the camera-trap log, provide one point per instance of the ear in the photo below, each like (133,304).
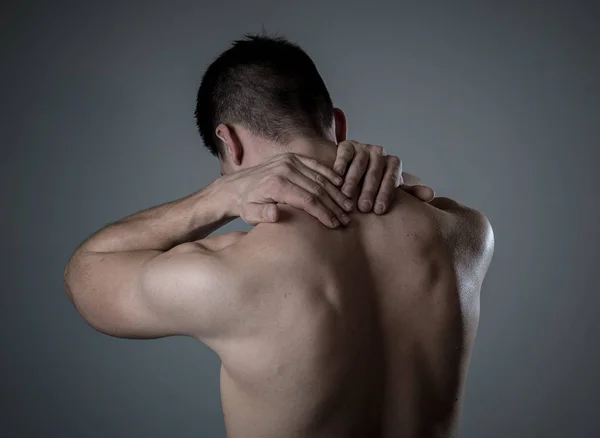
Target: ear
(341,128)
(232,145)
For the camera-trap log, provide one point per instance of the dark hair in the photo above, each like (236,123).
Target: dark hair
(268,85)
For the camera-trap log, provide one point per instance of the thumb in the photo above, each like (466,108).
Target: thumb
(254,213)
(424,193)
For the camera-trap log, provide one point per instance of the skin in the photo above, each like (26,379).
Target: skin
(323,330)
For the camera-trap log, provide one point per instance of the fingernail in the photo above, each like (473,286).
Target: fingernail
(338,181)
(345,219)
(365,206)
(348,204)
(335,223)
(272,214)
(379,207)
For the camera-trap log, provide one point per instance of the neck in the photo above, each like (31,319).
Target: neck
(321,149)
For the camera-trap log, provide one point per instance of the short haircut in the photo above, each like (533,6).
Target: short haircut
(268,85)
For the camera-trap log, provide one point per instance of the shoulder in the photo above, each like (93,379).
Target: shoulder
(465,220)
(469,232)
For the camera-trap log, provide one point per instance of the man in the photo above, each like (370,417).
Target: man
(323,330)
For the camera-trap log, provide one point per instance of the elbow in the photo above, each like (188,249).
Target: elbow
(75,290)
(100,308)
(68,280)
(73,274)
(83,306)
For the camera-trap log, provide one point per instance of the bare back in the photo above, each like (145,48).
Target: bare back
(360,332)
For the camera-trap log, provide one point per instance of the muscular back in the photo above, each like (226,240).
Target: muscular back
(359,332)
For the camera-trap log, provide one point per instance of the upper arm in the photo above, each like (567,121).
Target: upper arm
(479,241)
(149,294)
(192,291)
(470,234)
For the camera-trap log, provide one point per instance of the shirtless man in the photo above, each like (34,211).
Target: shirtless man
(323,330)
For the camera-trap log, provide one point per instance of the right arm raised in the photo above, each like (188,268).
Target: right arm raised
(106,275)
(127,279)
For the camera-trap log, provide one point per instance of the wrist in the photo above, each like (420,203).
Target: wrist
(223,198)
(209,209)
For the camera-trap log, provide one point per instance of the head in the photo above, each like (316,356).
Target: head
(259,97)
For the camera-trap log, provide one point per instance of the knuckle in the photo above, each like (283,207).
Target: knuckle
(274,182)
(339,168)
(286,167)
(345,148)
(246,214)
(377,149)
(312,162)
(361,161)
(394,160)
(318,190)
(320,179)
(394,175)
(309,198)
(395,171)
(276,179)
(359,146)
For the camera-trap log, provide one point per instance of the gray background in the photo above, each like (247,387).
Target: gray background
(495,105)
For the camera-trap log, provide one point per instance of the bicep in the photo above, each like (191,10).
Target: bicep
(190,291)
(151,294)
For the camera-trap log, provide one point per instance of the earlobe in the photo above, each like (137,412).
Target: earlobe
(341,128)
(231,143)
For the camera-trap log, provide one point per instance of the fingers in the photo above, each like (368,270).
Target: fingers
(345,154)
(254,213)
(299,197)
(355,172)
(388,184)
(334,193)
(373,177)
(321,169)
(316,172)
(424,193)
(311,200)
(327,194)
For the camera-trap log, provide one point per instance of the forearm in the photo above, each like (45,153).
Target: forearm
(167,225)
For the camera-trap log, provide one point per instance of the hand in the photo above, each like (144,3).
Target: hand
(288,178)
(382,174)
